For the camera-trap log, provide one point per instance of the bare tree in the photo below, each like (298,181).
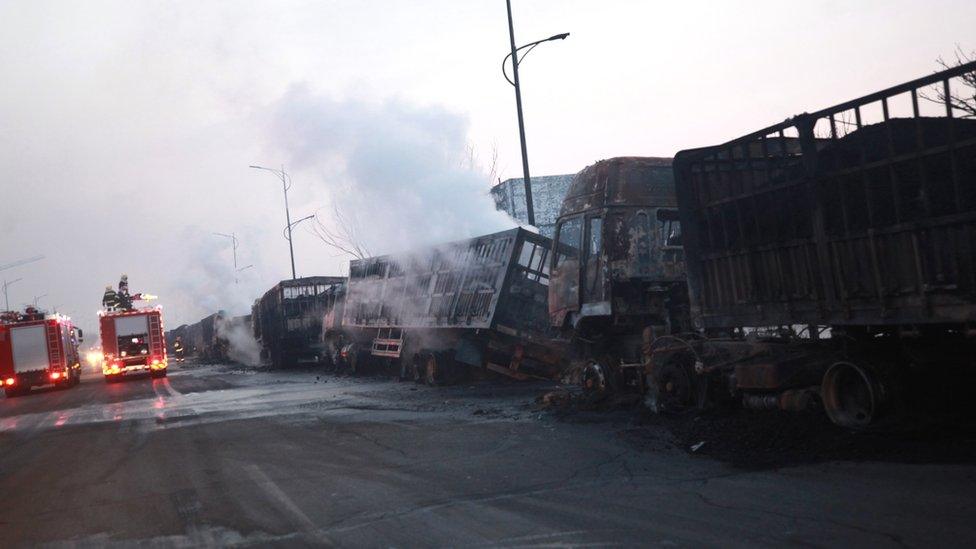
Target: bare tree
(963,99)
(472,163)
(341,233)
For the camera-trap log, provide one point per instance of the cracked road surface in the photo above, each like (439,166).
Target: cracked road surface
(214,456)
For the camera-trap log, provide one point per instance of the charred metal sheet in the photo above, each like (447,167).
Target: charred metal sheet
(480,283)
(860,214)
(292,316)
(619,247)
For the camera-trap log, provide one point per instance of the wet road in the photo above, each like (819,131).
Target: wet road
(212,456)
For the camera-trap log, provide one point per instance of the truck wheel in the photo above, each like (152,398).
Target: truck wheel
(679,388)
(596,377)
(418,366)
(432,369)
(855,396)
(12,392)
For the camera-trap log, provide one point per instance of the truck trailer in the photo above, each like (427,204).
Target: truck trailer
(287,319)
(831,260)
(132,342)
(478,303)
(38,349)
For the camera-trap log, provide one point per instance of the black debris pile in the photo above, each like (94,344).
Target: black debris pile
(769,439)
(568,401)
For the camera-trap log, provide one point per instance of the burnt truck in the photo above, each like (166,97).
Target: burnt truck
(288,319)
(618,271)
(831,260)
(437,314)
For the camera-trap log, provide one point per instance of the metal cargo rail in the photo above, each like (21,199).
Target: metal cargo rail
(860,214)
(495,282)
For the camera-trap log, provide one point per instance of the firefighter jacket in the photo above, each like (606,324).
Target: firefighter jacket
(111,299)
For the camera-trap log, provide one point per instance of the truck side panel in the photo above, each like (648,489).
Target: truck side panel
(110,343)
(30,349)
(861,214)
(455,285)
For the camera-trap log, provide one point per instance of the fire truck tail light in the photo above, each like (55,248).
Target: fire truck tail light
(55,375)
(155,361)
(10,381)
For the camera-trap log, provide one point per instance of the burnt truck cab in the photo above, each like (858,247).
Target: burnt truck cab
(618,265)
(288,319)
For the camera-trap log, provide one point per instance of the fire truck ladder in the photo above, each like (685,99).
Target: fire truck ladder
(54,345)
(154,333)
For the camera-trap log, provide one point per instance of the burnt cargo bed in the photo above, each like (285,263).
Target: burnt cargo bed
(480,302)
(832,258)
(828,219)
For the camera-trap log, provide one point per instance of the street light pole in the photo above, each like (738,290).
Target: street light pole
(38,298)
(285,185)
(233,238)
(526,179)
(6,301)
(530,213)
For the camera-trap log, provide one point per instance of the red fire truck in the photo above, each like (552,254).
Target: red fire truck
(132,341)
(37,349)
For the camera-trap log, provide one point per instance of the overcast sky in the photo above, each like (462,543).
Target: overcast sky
(126,128)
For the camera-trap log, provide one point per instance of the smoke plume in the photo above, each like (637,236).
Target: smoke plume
(401,175)
(241,345)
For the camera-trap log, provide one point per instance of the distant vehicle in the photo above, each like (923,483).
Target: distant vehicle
(132,341)
(38,349)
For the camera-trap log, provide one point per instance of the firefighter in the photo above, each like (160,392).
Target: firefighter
(178,348)
(125,300)
(111,299)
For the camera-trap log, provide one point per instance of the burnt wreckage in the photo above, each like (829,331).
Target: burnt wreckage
(431,315)
(477,303)
(830,259)
(827,259)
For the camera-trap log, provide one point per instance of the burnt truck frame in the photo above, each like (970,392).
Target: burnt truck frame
(477,303)
(619,273)
(288,319)
(831,258)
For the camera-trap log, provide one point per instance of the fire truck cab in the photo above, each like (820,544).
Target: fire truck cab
(38,349)
(132,342)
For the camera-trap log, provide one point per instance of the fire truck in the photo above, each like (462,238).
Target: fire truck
(132,342)
(38,349)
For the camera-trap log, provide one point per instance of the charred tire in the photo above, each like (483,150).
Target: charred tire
(679,387)
(417,366)
(596,377)
(854,396)
(433,364)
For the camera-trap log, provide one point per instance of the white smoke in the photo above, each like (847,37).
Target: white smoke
(402,174)
(241,345)
(204,278)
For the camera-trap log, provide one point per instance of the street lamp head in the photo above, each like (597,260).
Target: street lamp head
(562,36)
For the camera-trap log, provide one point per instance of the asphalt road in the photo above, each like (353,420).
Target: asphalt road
(212,457)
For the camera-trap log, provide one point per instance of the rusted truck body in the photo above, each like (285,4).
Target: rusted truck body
(831,257)
(477,303)
(618,269)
